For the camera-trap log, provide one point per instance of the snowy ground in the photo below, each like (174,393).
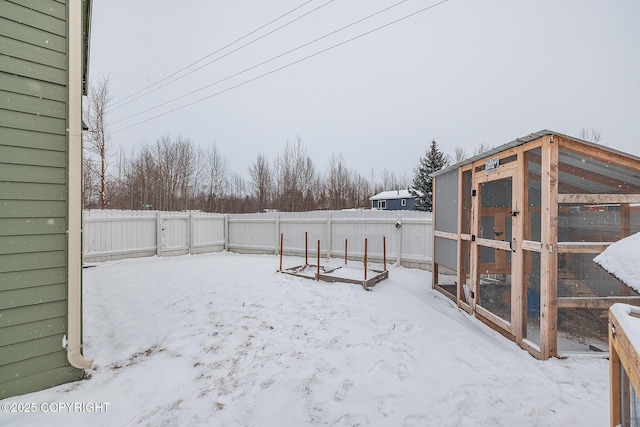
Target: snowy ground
(225,340)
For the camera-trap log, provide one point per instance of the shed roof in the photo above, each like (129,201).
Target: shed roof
(393,194)
(523,140)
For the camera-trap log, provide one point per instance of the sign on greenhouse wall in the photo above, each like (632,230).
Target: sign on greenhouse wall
(492,165)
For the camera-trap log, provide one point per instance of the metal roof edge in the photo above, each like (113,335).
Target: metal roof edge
(523,140)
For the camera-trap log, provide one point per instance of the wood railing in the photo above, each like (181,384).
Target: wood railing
(624,364)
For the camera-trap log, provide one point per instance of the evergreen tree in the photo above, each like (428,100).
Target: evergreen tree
(433,161)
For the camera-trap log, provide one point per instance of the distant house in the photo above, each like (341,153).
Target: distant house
(395,200)
(43,74)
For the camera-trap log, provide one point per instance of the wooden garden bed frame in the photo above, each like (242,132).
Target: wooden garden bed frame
(332,274)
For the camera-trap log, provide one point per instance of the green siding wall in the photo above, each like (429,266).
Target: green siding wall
(33,196)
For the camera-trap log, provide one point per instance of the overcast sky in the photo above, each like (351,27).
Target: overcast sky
(464,72)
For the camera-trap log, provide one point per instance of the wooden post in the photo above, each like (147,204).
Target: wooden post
(625,231)
(549,253)
(281,242)
(306,248)
(346,242)
(399,240)
(318,275)
(384,251)
(365,260)
(615,383)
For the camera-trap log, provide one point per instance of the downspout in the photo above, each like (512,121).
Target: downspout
(74,230)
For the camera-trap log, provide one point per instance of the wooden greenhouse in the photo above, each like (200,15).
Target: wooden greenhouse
(515,233)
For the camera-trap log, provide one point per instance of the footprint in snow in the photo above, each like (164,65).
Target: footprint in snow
(415,421)
(266,384)
(351,420)
(403,372)
(342,391)
(387,405)
(379,366)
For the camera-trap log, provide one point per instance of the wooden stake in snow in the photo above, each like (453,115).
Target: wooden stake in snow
(365,260)
(318,275)
(346,242)
(306,248)
(384,251)
(281,241)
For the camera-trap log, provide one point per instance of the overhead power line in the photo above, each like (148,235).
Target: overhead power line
(115,104)
(277,69)
(261,63)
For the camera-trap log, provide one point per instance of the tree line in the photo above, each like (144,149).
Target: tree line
(174,174)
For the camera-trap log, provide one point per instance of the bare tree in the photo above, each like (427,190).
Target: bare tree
(89,196)
(295,178)
(186,172)
(217,168)
(390,181)
(97,136)
(120,194)
(481,148)
(261,181)
(337,182)
(591,134)
(236,199)
(459,154)
(363,190)
(198,185)
(146,176)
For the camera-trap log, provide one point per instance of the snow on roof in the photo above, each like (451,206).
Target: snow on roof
(393,194)
(622,260)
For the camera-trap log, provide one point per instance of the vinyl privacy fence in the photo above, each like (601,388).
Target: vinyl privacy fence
(407,235)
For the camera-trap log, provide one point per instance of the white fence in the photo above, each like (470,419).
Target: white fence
(110,235)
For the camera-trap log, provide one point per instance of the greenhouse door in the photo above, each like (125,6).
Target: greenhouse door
(493,255)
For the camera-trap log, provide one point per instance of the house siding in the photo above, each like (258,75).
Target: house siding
(33,195)
(395,204)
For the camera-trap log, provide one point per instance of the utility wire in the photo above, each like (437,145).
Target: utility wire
(115,104)
(261,63)
(284,66)
(227,54)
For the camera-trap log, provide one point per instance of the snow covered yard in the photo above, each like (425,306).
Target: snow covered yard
(224,340)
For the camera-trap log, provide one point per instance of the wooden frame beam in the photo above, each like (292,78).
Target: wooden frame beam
(600,303)
(582,248)
(445,235)
(598,199)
